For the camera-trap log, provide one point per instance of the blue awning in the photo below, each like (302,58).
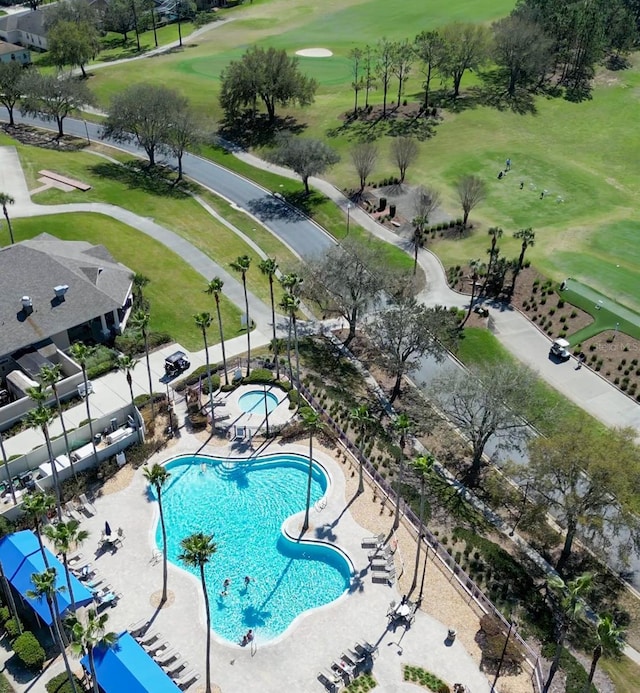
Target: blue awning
(21,558)
(127,667)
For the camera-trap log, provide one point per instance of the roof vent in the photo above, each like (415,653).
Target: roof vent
(27,304)
(60,291)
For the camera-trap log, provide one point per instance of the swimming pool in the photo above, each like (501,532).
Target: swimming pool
(243,503)
(254,402)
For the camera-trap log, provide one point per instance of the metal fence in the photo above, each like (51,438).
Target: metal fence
(463,582)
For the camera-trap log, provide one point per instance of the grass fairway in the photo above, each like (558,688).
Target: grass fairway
(624,673)
(582,155)
(175,290)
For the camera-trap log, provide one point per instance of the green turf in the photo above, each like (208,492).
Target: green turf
(606,313)
(478,346)
(175,290)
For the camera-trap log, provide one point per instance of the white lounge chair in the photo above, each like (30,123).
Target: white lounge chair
(70,510)
(87,504)
(187,680)
(372,542)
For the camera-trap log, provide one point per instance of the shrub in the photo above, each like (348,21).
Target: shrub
(561,303)
(294,398)
(5,615)
(194,377)
(259,375)
(203,18)
(574,314)
(60,684)
(12,627)
(29,651)
(132,344)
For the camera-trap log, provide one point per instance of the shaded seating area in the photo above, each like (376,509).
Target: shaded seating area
(127,667)
(21,557)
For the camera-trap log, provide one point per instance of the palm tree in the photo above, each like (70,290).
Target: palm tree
(203,321)
(242,265)
(49,375)
(5,462)
(269,268)
(528,238)
(157,476)
(214,288)
(362,419)
(290,304)
(422,467)
(610,643)
(402,425)
(139,281)
(493,251)
(81,353)
(45,586)
(37,506)
(568,607)
(85,637)
(4,201)
(65,536)
(140,321)
(126,363)
(197,550)
(476,267)
(312,423)
(41,417)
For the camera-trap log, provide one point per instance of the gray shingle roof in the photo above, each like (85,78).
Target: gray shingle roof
(97,285)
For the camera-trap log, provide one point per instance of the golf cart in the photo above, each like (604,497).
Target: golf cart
(176,363)
(560,349)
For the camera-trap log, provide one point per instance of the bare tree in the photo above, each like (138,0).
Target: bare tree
(466,47)
(428,47)
(347,281)
(384,62)
(307,157)
(471,192)
(404,151)
(364,156)
(403,57)
(358,83)
(369,73)
(485,402)
(405,332)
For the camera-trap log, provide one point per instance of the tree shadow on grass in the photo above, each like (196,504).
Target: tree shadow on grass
(256,130)
(396,123)
(136,175)
(494,94)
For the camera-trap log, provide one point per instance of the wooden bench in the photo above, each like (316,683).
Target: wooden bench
(67,181)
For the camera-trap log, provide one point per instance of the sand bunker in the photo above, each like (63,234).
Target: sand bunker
(315,53)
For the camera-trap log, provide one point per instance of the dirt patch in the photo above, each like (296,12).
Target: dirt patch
(119,481)
(26,134)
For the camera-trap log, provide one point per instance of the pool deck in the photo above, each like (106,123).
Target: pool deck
(312,643)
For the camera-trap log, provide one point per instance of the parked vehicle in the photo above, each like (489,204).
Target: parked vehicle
(176,363)
(560,349)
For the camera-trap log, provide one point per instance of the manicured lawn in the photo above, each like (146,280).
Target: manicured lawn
(175,290)
(478,346)
(589,189)
(153,198)
(624,673)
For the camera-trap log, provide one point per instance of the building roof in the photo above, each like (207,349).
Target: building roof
(21,557)
(97,285)
(10,48)
(31,22)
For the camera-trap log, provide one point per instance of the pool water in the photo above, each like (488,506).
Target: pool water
(243,504)
(254,402)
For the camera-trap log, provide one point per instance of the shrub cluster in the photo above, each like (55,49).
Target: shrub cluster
(60,684)
(29,651)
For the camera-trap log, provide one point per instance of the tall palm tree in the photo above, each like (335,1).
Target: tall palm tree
(402,426)
(5,200)
(139,281)
(203,321)
(269,268)
(493,251)
(140,321)
(312,423)
(528,239)
(81,353)
(45,586)
(242,265)
(476,267)
(214,288)
(87,636)
(362,419)
(49,375)
(610,643)
(37,506)
(41,417)
(422,467)
(197,550)
(65,536)
(568,607)
(126,364)
(157,476)
(5,462)
(290,304)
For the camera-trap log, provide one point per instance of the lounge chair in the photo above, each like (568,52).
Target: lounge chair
(372,542)
(70,510)
(328,681)
(150,638)
(139,628)
(187,680)
(87,504)
(168,659)
(380,552)
(177,670)
(155,647)
(74,558)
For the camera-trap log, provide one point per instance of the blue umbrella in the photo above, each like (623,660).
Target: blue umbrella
(107,529)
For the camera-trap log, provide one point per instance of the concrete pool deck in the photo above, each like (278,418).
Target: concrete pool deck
(293,661)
